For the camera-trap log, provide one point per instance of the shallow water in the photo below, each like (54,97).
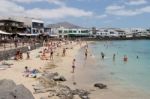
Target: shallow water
(135,72)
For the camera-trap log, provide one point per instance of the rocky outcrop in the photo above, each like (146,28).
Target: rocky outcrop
(50,83)
(83,94)
(64,92)
(9,90)
(100,85)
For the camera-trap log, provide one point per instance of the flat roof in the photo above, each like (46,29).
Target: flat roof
(9,20)
(38,21)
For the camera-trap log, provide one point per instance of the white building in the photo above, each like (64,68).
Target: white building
(64,32)
(138,32)
(111,32)
(34,26)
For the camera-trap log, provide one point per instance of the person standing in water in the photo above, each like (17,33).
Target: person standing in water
(86,53)
(102,54)
(73,65)
(114,55)
(125,59)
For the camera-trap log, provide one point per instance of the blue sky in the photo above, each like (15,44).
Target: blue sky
(99,13)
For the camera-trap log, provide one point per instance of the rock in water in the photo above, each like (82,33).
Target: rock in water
(9,90)
(100,85)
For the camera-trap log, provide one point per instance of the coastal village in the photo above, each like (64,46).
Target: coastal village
(25,26)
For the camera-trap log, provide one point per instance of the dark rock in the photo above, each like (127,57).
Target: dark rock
(83,94)
(59,78)
(6,84)
(100,85)
(64,92)
(22,93)
(9,90)
(45,82)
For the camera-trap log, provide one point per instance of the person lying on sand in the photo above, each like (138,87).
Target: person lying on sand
(30,73)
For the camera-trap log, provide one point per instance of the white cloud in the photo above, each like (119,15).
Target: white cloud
(124,11)
(57,2)
(120,10)
(136,2)
(101,16)
(145,9)
(114,7)
(61,12)
(11,8)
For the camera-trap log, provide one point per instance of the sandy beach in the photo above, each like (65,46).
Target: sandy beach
(15,73)
(63,66)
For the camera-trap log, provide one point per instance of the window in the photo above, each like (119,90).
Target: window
(37,25)
(112,33)
(65,31)
(70,31)
(60,31)
(74,31)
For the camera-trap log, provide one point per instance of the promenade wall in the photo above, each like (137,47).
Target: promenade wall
(4,55)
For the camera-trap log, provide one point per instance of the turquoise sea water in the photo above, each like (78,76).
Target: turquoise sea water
(135,72)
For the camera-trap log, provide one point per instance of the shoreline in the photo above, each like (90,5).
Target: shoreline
(115,89)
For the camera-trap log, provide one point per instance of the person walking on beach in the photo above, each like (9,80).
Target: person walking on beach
(51,54)
(64,52)
(28,55)
(73,65)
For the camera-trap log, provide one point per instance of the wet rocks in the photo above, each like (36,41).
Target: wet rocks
(100,85)
(9,90)
(49,82)
(83,94)
(46,83)
(64,92)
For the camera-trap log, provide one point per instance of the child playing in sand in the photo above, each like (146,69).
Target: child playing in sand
(73,65)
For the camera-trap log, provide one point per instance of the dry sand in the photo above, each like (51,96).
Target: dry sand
(15,73)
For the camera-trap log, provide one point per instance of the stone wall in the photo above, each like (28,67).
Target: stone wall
(4,55)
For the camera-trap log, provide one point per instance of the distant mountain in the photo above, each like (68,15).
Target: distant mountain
(64,24)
